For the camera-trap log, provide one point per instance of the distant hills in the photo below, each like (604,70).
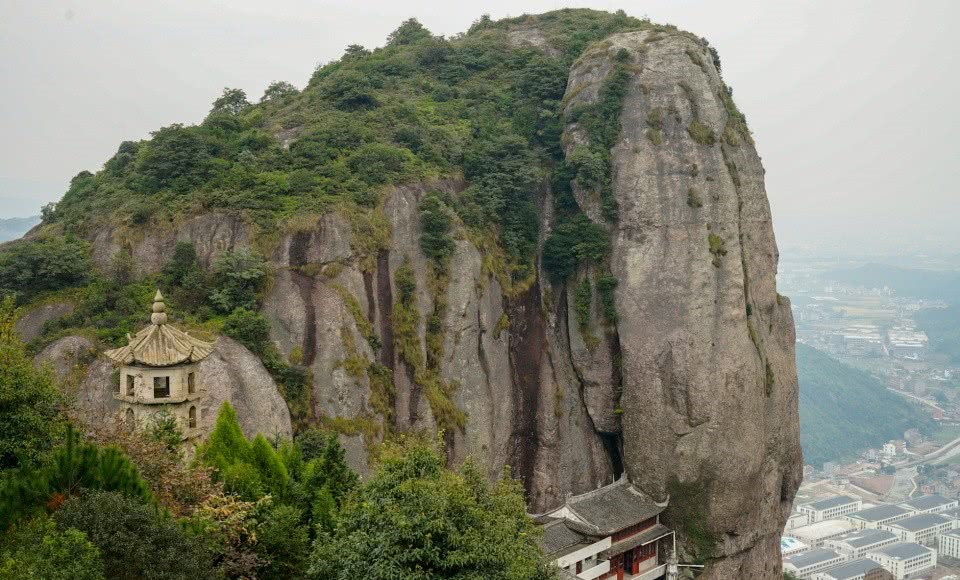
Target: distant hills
(941,325)
(13,228)
(844,411)
(919,283)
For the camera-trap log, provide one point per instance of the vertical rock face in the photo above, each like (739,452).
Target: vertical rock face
(692,393)
(709,390)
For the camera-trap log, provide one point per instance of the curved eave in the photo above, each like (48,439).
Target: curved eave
(161,346)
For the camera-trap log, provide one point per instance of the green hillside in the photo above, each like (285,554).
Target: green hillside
(943,328)
(844,411)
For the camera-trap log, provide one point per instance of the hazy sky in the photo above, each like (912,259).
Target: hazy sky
(853,104)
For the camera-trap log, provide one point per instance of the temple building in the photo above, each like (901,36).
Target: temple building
(159,370)
(611,532)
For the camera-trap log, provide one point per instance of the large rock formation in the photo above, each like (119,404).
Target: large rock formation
(231,373)
(693,393)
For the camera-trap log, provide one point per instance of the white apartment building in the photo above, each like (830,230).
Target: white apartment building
(807,564)
(875,517)
(830,508)
(855,570)
(950,544)
(905,560)
(930,504)
(921,529)
(796,520)
(855,545)
(816,535)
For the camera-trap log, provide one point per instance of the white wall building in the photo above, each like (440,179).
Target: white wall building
(805,565)
(855,545)
(855,570)
(875,517)
(930,504)
(950,544)
(905,560)
(796,520)
(830,508)
(816,535)
(921,529)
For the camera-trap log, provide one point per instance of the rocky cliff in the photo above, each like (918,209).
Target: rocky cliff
(689,388)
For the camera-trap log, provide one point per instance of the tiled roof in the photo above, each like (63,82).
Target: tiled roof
(903,551)
(613,508)
(643,538)
(920,522)
(559,540)
(853,569)
(865,538)
(810,558)
(160,345)
(926,502)
(881,512)
(832,502)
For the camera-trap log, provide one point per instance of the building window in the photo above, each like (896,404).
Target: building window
(191,384)
(130,385)
(161,387)
(193,418)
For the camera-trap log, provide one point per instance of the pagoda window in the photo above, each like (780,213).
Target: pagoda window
(129,419)
(193,418)
(161,387)
(191,383)
(131,385)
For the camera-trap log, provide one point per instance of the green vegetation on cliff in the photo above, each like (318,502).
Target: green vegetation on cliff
(844,411)
(477,104)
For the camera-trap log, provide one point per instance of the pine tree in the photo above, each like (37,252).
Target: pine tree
(226,444)
(273,474)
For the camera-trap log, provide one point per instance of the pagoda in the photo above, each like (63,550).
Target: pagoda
(159,369)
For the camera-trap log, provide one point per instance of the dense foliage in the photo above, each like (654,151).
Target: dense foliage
(420,106)
(46,264)
(37,549)
(417,520)
(135,540)
(844,411)
(29,422)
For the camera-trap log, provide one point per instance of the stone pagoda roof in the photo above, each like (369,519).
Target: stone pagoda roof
(160,345)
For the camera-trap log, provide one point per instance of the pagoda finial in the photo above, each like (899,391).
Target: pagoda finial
(159,315)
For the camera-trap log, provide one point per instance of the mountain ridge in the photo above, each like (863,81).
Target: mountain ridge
(548,239)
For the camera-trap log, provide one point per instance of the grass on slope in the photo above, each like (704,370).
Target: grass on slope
(844,411)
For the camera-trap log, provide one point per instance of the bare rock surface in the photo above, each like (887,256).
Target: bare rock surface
(233,373)
(709,385)
(211,235)
(30,324)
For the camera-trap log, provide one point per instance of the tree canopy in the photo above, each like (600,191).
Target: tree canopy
(417,520)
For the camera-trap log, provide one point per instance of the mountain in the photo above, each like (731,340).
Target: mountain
(548,238)
(13,228)
(844,411)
